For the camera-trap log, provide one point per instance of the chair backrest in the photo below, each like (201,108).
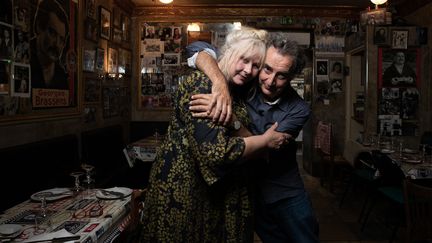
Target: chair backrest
(390,172)
(323,138)
(418,211)
(364,160)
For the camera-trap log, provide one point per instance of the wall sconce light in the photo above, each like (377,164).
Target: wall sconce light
(237,25)
(166,1)
(193,27)
(378,2)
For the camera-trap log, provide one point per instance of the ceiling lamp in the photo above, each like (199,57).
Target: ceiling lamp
(378,2)
(166,1)
(193,27)
(237,25)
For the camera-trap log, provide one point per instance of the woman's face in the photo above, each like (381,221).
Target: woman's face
(245,69)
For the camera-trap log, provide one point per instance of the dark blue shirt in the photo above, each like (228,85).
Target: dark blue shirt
(280,177)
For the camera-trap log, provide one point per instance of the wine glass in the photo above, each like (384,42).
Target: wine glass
(88,169)
(76,175)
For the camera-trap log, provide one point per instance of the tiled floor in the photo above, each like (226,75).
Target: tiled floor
(340,224)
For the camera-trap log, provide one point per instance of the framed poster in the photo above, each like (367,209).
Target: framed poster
(126,27)
(400,39)
(57,90)
(21,81)
(399,68)
(105,23)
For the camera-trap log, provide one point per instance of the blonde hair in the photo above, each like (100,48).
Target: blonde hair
(244,43)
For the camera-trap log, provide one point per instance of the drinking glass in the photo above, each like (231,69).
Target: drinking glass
(88,169)
(76,176)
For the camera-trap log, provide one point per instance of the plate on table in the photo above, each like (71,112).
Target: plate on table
(413,161)
(52,194)
(409,151)
(113,193)
(10,230)
(387,151)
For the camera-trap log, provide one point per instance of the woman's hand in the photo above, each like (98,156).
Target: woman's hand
(275,139)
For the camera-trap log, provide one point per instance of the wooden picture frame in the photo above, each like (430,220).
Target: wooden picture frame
(389,77)
(126,27)
(399,39)
(105,23)
(116,18)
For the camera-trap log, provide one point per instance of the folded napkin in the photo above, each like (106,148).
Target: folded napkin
(58,236)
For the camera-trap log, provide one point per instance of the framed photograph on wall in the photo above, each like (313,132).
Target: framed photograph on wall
(91,30)
(380,35)
(399,68)
(322,67)
(105,23)
(92,90)
(112,60)
(89,60)
(90,9)
(400,39)
(171,59)
(100,59)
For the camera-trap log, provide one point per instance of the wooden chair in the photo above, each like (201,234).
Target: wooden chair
(330,161)
(389,188)
(418,212)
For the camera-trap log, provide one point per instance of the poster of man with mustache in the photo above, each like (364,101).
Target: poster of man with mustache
(51,48)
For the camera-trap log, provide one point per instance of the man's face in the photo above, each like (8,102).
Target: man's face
(275,75)
(52,38)
(400,58)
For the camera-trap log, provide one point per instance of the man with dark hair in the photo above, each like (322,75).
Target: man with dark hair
(47,47)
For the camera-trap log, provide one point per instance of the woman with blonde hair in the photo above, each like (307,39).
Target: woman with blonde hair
(198,189)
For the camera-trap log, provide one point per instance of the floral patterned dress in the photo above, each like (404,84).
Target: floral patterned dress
(198,188)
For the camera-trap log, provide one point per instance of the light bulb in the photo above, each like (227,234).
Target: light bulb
(166,1)
(378,2)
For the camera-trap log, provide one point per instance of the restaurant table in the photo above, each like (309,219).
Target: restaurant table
(413,165)
(143,150)
(84,215)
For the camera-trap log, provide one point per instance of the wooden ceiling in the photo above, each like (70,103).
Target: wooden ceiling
(403,7)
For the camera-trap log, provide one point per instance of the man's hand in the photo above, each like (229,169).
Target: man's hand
(221,103)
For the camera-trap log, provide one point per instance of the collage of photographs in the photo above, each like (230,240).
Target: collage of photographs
(162,65)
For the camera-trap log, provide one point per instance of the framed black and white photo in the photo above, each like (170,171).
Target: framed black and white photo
(90,9)
(112,61)
(400,39)
(89,60)
(100,58)
(171,59)
(321,67)
(105,23)
(380,35)
(92,90)
(91,30)
(21,82)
